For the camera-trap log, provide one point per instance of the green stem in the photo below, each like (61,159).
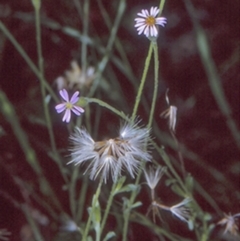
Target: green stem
(85,32)
(107,53)
(109,203)
(155,91)
(27,59)
(94,202)
(143,80)
(42,86)
(8,111)
(81,199)
(161,5)
(212,74)
(72,191)
(151,115)
(32,223)
(169,165)
(105,105)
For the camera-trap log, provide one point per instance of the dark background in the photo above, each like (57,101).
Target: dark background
(212,155)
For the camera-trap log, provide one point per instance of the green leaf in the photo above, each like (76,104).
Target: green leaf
(119,184)
(95,212)
(137,204)
(129,188)
(109,235)
(169,182)
(189,181)
(178,190)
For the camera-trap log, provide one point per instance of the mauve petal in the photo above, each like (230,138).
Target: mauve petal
(154,11)
(140,20)
(141,29)
(142,14)
(146,12)
(146,31)
(75,98)
(60,107)
(77,110)
(139,24)
(67,116)
(64,95)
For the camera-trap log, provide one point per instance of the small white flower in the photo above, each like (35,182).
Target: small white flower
(153,176)
(147,22)
(113,155)
(181,211)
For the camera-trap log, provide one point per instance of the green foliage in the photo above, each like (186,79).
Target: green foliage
(53,191)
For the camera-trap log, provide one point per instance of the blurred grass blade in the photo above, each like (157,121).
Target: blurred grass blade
(211,71)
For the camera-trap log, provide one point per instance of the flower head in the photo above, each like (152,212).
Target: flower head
(147,22)
(112,155)
(181,211)
(153,175)
(76,78)
(69,105)
(230,222)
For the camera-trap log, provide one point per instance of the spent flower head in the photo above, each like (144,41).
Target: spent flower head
(69,105)
(153,175)
(111,156)
(76,77)
(171,114)
(230,222)
(181,211)
(147,22)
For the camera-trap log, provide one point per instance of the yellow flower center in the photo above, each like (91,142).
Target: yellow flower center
(69,105)
(150,21)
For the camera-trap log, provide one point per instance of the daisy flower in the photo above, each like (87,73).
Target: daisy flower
(109,157)
(69,105)
(147,22)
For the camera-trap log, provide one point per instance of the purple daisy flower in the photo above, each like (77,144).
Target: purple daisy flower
(68,105)
(147,22)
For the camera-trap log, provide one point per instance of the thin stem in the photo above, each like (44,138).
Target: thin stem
(104,104)
(161,5)
(30,156)
(27,59)
(81,199)
(94,202)
(42,86)
(109,203)
(155,91)
(142,82)
(85,31)
(212,73)
(179,153)
(107,53)
(156,66)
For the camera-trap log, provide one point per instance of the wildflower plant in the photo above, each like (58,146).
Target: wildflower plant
(88,179)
